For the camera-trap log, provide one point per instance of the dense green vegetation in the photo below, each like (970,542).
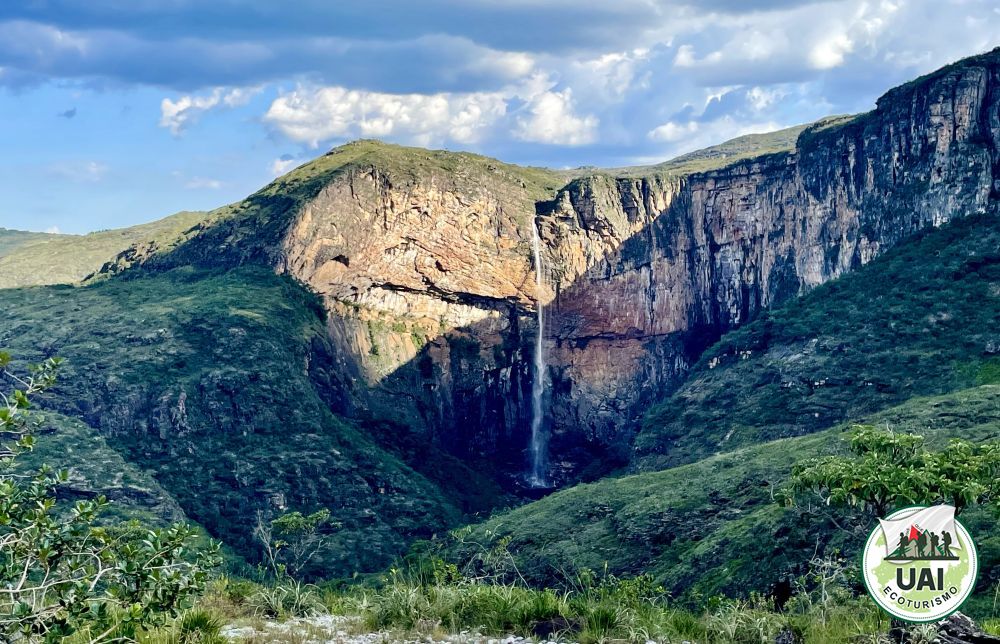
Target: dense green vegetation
(205,381)
(703,528)
(61,571)
(94,468)
(203,386)
(889,470)
(28,259)
(428,600)
(918,321)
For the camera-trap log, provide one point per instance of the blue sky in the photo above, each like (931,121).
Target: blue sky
(117,112)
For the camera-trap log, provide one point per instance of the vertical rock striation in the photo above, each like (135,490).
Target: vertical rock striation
(424,261)
(688,258)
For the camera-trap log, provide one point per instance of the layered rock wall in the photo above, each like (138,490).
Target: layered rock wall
(429,280)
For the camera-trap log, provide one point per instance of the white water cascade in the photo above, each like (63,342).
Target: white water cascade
(539,442)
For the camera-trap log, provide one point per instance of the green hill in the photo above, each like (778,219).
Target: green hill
(707,527)
(909,341)
(28,259)
(205,381)
(741,148)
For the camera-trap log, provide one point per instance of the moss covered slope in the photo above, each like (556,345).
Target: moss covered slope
(205,380)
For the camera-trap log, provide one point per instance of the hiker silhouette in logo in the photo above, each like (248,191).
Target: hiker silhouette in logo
(946,545)
(934,545)
(904,544)
(921,543)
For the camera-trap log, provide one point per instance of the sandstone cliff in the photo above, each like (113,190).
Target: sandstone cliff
(424,261)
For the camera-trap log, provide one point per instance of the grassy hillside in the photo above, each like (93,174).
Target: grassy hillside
(738,149)
(923,319)
(11,240)
(28,259)
(96,469)
(726,153)
(706,527)
(206,381)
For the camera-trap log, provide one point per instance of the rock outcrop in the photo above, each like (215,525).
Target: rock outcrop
(424,262)
(707,252)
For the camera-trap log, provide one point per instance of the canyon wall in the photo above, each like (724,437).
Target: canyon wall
(426,272)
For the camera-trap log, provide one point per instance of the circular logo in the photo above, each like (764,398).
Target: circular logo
(919,563)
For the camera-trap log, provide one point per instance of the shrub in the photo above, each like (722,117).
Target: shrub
(60,570)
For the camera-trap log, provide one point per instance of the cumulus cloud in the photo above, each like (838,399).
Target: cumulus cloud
(314,115)
(671,131)
(282,165)
(830,51)
(534,111)
(176,115)
(551,117)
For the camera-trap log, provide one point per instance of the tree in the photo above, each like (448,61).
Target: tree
(890,469)
(61,571)
(292,540)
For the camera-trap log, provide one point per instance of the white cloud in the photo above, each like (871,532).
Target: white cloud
(684,56)
(671,131)
(612,75)
(202,183)
(79,171)
(763,98)
(551,118)
(176,115)
(530,111)
(314,115)
(282,165)
(52,230)
(830,52)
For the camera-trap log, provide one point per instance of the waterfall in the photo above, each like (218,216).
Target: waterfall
(537,477)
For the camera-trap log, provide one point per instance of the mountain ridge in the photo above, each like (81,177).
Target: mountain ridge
(385,298)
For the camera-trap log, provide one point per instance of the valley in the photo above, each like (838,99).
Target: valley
(602,369)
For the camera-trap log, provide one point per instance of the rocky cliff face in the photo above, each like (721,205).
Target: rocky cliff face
(428,286)
(425,264)
(704,253)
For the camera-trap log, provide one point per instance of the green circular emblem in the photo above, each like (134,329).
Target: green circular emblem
(920,564)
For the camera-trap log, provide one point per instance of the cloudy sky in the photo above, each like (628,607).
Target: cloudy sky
(116,112)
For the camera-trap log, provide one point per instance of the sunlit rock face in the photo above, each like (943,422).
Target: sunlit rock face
(427,275)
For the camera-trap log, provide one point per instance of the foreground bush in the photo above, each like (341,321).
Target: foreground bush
(632,610)
(61,571)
